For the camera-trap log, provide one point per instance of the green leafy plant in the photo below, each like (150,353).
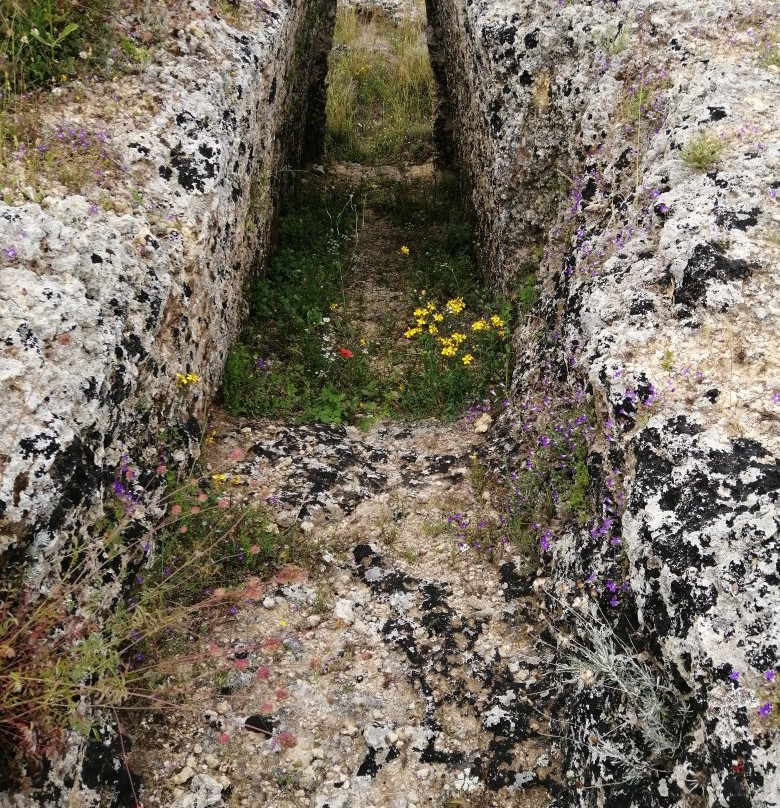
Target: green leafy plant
(42,40)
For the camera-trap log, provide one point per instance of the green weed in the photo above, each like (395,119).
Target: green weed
(299,355)
(527,293)
(770,56)
(42,41)
(616,40)
(302,357)
(703,152)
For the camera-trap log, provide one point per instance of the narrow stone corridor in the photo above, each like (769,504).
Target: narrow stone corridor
(398,664)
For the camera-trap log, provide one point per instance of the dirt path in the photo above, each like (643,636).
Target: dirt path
(400,671)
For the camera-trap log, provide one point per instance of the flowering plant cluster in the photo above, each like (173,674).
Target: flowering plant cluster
(449,330)
(457,354)
(187,379)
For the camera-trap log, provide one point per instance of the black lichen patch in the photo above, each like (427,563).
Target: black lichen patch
(42,444)
(642,305)
(439,643)
(263,724)
(739,219)
(375,759)
(193,171)
(105,770)
(700,490)
(708,262)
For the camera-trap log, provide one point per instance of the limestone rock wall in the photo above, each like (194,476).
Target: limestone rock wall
(105,297)
(627,155)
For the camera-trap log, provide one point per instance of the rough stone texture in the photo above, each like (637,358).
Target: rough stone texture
(399,10)
(658,291)
(100,309)
(398,667)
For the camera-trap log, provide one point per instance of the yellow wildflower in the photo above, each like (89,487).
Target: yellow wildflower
(456,305)
(480,325)
(458,338)
(334,307)
(496,321)
(449,350)
(467,359)
(433,330)
(501,333)
(412,332)
(438,317)
(431,307)
(236,480)
(219,478)
(422,321)
(190,378)
(420,312)
(404,250)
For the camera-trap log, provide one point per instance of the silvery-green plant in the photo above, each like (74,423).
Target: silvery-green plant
(657,713)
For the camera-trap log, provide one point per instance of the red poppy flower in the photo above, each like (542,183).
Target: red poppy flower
(345,352)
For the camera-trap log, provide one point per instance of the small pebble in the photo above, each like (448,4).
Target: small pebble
(185,774)
(269,603)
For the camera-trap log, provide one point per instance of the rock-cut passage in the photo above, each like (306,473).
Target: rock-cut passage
(388,654)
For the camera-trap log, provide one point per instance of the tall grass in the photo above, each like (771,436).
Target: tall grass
(380,90)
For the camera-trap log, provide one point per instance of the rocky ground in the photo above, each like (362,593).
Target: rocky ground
(399,671)
(398,664)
